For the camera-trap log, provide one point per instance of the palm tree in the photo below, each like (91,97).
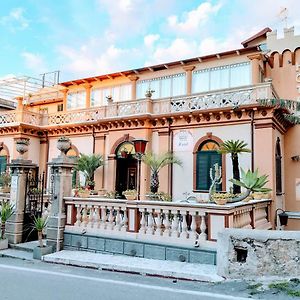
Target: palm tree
(5,213)
(234,148)
(88,164)
(156,163)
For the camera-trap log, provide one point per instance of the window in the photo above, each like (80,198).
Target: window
(221,77)
(3,160)
(166,86)
(206,157)
(278,167)
(76,100)
(60,107)
(118,93)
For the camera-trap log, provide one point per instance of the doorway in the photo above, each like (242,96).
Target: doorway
(126,174)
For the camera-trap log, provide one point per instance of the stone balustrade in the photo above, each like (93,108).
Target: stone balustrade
(163,222)
(233,97)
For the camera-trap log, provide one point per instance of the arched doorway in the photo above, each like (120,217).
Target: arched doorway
(126,173)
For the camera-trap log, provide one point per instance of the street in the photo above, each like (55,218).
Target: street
(36,280)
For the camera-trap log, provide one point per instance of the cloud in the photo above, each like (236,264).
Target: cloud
(15,20)
(192,20)
(34,62)
(150,39)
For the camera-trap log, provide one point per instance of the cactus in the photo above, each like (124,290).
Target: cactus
(215,174)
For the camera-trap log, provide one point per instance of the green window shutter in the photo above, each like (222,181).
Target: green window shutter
(205,161)
(3,162)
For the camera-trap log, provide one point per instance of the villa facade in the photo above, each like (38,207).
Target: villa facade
(187,107)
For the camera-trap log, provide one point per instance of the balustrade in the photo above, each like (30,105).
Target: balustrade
(178,223)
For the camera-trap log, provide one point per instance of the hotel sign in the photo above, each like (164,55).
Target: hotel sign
(183,141)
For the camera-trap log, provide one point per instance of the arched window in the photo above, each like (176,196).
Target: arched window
(206,156)
(278,167)
(3,160)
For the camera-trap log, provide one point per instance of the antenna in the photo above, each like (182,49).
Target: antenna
(283,16)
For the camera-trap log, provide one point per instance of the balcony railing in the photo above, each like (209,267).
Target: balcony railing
(218,99)
(165,222)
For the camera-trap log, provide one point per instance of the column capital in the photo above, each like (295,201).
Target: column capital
(188,68)
(258,56)
(133,77)
(87,86)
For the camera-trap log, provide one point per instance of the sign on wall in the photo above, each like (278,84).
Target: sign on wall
(14,190)
(183,141)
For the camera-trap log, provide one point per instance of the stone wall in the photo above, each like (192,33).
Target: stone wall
(251,253)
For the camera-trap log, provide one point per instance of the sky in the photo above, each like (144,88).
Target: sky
(84,38)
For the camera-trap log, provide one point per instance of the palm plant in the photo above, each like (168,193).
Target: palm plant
(6,212)
(88,164)
(39,224)
(252,182)
(234,148)
(156,163)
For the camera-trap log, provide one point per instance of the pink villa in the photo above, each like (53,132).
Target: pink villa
(187,107)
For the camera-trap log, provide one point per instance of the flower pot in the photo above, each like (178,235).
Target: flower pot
(38,252)
(130,197)
(22,145)
(64,145)
(257,195)
(5,189)
(3,244)
(84,194)
(221,201)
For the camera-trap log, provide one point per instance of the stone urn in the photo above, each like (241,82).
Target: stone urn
(64,144)
(22,145)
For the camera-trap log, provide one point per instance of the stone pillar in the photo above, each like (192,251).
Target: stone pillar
(255,68)
(164,173)
(133,79)
(111,173)
(188,70)
(61,178)
(100,172)
(19,171)
(20,109)
(87,95)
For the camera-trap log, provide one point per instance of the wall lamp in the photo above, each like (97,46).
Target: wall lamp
(283,217)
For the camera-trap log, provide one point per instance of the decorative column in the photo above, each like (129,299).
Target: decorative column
(255,67)
(133,79)
(61,180)
(65,96)
(100,173)
(111,173)
(87,95)
(164,174)
(20,168)
(188,70)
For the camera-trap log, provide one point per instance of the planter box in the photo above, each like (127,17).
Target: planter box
(39,252)
(3,244)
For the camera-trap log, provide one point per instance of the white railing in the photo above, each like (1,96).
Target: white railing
(162,222)
(234,97)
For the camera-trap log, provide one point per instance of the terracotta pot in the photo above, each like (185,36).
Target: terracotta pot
(84,194)
(221,201)
(130,197)
(257,195)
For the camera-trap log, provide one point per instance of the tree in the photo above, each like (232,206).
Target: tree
(234,148)
(156,163)
(88,164)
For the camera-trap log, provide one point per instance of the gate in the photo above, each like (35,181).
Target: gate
(34,193)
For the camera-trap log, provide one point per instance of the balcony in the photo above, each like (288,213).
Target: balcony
(235,97)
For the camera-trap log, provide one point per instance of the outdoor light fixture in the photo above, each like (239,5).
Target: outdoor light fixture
(283,217)
(139,147)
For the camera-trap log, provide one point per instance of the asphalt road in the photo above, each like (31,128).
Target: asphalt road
(30,280)
(36,280)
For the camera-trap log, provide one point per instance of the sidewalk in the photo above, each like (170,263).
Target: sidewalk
(151,267)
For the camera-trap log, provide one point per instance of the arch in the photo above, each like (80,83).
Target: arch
(4,157)
(278,167)
(118,142)
(208,138)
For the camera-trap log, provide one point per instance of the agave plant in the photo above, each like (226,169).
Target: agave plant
(88,164)
(6,212)
(39,224)
(234,148)
(252,182)
(156,163)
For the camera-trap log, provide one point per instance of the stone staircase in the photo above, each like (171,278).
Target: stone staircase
(21,251)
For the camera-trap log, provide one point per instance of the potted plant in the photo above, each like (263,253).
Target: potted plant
(252,182)
(6,212)
(83,192)
(40,224)
(149,93)
(156,163)
(130,194)
(64,144)
(22,145)
(221,198)
(234,148)
(111,195)
(88,164)
(5,181)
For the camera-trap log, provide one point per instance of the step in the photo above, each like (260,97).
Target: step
(28,246)
(14,253)
(137,265)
